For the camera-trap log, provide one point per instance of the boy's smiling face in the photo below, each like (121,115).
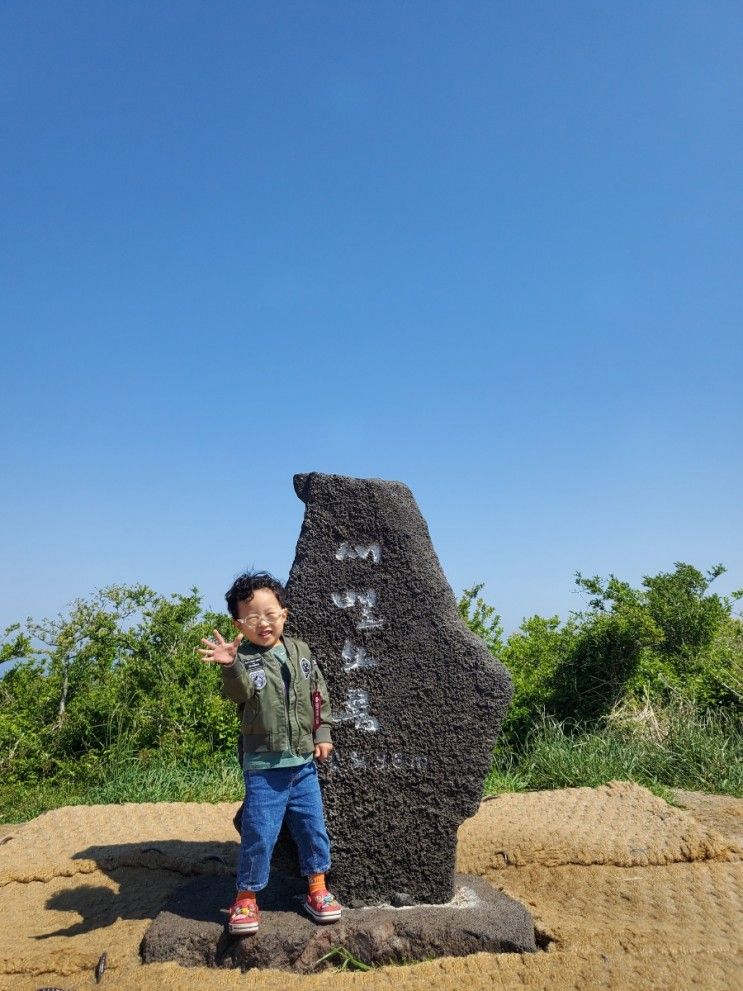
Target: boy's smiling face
(261,618)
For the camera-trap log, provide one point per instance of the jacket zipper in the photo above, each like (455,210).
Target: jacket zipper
(296,717)
(286,701)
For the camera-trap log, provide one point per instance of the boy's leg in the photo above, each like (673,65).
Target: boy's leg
(266,797)
(306,821)
(304,816)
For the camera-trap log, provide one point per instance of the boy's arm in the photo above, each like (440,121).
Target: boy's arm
(237,685)
(322,733)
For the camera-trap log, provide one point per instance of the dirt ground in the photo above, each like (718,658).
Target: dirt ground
(627,892)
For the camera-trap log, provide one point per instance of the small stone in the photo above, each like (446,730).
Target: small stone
(401,898)
(100,967)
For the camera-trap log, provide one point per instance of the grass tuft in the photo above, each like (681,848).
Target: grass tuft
(347,960)
(677,748)
(128,780)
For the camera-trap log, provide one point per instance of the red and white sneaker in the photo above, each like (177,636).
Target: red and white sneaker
(322,906)
(245,917)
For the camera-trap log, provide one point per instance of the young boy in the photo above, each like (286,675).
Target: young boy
(285,723)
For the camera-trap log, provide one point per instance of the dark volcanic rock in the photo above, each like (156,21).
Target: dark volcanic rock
(417,697)
(479,919)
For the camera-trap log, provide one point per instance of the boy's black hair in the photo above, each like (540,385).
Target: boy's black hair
(244,585)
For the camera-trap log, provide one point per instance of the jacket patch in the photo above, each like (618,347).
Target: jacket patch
(305,666)
(258,677)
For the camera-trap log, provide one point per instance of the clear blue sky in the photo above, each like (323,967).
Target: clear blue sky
(492,250)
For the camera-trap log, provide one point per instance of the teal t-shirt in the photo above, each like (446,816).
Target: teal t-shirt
(286,758)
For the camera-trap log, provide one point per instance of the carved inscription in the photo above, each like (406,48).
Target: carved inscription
(345,551)
(380,761)
(367,601)
(355,657)
(357,711)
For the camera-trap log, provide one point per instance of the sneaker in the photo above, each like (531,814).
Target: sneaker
(322,906)
(245,917)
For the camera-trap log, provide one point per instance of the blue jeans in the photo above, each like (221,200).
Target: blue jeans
(270,797)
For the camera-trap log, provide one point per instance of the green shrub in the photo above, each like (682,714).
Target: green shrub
(671,639)
(118,674)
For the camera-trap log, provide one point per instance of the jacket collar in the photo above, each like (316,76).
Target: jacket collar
(252,650)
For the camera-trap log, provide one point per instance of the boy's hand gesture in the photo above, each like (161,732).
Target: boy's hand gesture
(221,652)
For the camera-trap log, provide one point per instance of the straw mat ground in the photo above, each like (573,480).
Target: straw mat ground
(626,891)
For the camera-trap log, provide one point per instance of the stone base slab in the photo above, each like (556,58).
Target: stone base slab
(479,918)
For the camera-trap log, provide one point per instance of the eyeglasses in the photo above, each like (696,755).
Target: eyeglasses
(272,616)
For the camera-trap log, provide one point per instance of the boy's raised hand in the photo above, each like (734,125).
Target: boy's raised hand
(221,652)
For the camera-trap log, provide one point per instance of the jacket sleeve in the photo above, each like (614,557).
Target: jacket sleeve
(236,683)
(322,733)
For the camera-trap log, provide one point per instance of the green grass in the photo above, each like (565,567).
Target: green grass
(343,960)
(20,802)
(692,751)
(128,780)
(169,781)
(678,748)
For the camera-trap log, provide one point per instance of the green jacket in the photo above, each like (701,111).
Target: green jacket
(274,719)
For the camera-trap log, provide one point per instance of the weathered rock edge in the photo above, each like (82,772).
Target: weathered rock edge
(480,919)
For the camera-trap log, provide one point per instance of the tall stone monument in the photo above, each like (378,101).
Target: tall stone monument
(417,697)
(417,700)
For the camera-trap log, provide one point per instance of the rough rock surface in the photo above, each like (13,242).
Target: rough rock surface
(479,919)
(417,698)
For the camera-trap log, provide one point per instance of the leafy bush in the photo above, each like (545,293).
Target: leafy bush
(671,641)
(117,676)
